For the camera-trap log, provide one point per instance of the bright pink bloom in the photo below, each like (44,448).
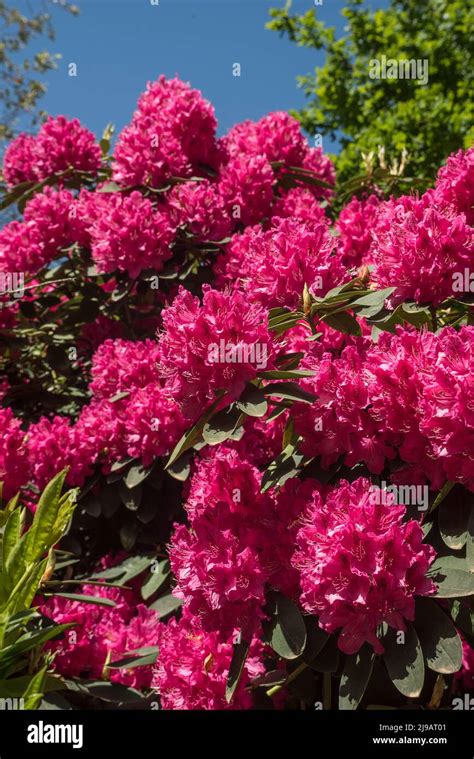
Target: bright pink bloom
(419,250)
(18,160)
(220,344)
(130,235)
(360,564)
(62,145)
(455,184)
(193,665)
(274,266)
(299,203)
(355,225)
(123,365)
(13,454)
(199,207)
(246,188)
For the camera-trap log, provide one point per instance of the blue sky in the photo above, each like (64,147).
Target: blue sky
(118,45)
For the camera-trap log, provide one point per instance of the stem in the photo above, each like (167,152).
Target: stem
(292,676)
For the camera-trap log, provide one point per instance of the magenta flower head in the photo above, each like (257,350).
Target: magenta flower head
(274,266)
(360,564)
(129,235)
(455,184)
(418,250)
(19,161)
(193,665)
(217,345)
(62,145)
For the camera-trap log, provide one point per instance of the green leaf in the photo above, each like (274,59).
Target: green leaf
(239,655)
(191,437)
(11,535)
(181,469)
(131,498)
(31,640)
(285,631)
(39,535)
(81,598)
(463,617)
(221,426)
(156,579)
(110,187)
(252,401)
(452,577)
(166,605)
(404,662)
(442,494)
(439,640)
(355,677)
(453,519)
(125,571)
(35,690)
(136,475)
(112,692)
(470,541)
(343,322)
(289,390)
(142,657)
(276,374)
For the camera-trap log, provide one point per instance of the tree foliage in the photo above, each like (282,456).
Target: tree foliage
(429,121)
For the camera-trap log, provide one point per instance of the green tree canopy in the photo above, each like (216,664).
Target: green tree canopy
(430,121)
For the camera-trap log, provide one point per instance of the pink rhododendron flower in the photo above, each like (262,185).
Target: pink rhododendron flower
(220,344)
(418,251)
(172,129)
(18,160)
(130,235)
(193,665)
(355,225)
(245,187)
(199,207)
(121,365)
(13,454)
(299,203)
(48,444)
(62,145)
(217,563)
(154,423)
(274,266)
(455,184)
(360,564)
(101,634)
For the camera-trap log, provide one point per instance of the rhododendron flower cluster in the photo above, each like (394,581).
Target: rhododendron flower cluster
(230,369)
(102,634)
(218,345)
(360,566)
(192,669)
(60,145)
(273,266)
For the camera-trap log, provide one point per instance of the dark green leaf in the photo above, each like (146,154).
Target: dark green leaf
(239,655)
(404,661)
(439,640)
(355,677)
(252,401)
(285,631)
